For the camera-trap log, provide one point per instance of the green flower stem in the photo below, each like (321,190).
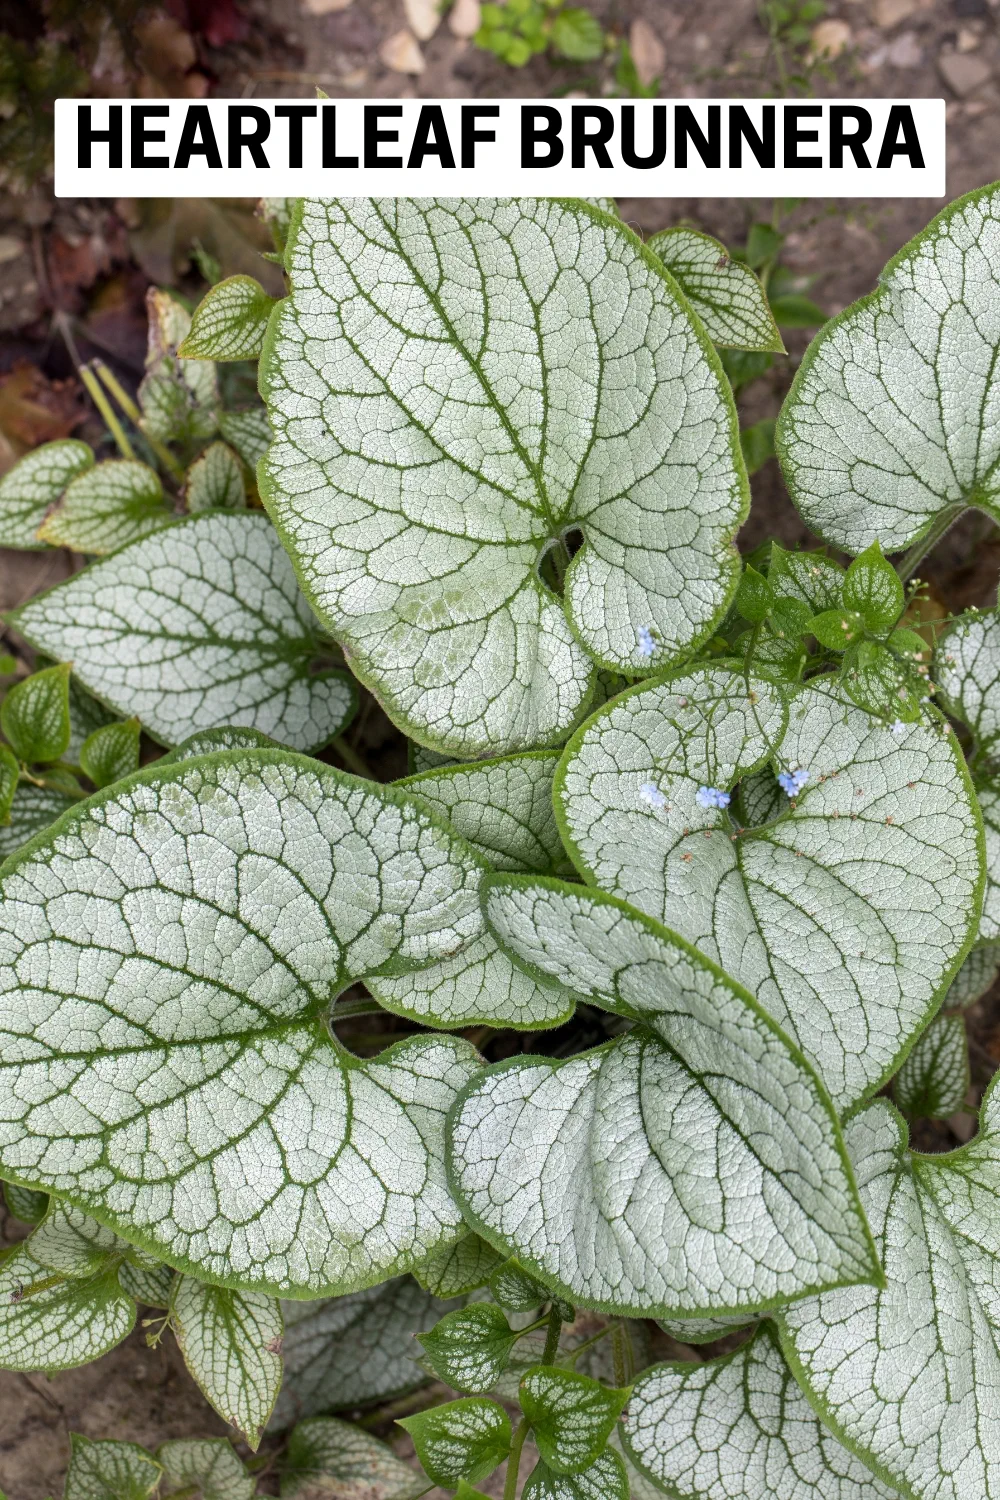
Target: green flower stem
(352,760)
(943,523)
(595,1338)
(621,1354)
(514,1461)
(103,405)
(552,1337)
(134,415)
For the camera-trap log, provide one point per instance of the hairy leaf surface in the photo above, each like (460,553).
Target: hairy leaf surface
(231,1343)
(725,294)
(847,914)
(739,1428)
(892,419)
(169,958)
(454,387)
(199,628)
(33,485)
(639,1177)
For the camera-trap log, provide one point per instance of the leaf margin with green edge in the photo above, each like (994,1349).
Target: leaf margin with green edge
(571,1416)
(210,1463)
(567,659)
(429,1067)
(214,481)
(471,1156)
(34,809)
(211,741)
(19,710)
(449,1449)
(457,1269)
(109,1470)
(874,590)
(934,1077)
(116,502)
(469,1348)
(693,260)
(229,321)
(352,1456)
(821,469)
(111,752)
(102,1313)
(377,1325)
(673,1398)
(809,576)
(24,1204)
(231,1342)
(73,1243)
(952,1258)
(820,728)
(44,473)
(10,774)
(605,1479)
(68,619)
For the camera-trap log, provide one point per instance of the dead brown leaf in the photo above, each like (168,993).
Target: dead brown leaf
(34,409)
(227,228)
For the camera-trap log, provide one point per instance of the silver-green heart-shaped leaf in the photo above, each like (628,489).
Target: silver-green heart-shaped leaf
(178,397)
(215,481)
(249,432)
(208,1465)
(906,1374)
(571,1416)
(700,1330)
(460,388)
(231,1343)
(107,507)
(504,808)
(725,294)
(151,1285)
(110,1471)
(33,808)
(933,1079)
(28,1206)
(604,1479)
(70,1242)
(33,485)
(229,321)
(977,975)
(464,1439)
(848,912)
(810,577)
(458,1269)
(470,1348)
(326,1457)
(208,741)
(739,1428)
(355,1350)
(168,962)
(50,1322)
(196,629)
(890,427)
(692,1166)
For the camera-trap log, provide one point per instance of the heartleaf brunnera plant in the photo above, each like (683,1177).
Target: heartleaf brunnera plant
(488,1098)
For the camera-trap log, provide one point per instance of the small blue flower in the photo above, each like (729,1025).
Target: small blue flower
(645,644)
(711,796)
(650,793)
(898,728)
(792,781)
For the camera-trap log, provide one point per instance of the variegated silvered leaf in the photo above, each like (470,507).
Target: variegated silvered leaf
(33,485)
(458,1269)
(907,1374)
(605,1479)
(107,507)
(33,808)
(810,577)
(231,1342)
(504,808)
(739,1428)
(691,1166)
(725,294)
(168,961)
(49,1322)
(249,432)
(196,629)
(150,1284)
(229,321)
(28,1206)
(70,1242)
(977,975)
(455,388)
(700,1330)
(848,914)
(178,397)
(327,1457)
(208,1465)
(933,1079)
(891,421)
(110,1471)
(355,1350)
(215,481)
(208,741)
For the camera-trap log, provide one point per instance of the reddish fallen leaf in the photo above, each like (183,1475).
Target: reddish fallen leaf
(218,21)
(34,409)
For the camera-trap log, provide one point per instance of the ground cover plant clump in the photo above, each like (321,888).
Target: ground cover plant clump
(615,1014)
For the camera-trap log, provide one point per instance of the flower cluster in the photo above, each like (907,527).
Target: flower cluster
(792,781)
(711,796)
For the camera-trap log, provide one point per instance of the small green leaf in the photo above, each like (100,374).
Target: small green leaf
(209,1465)
(34,715)
(909,644)
(790,617)
(873,589)
(577,34)
(458,1269)
(793,310)
(464,1439)
(249,432)
(810,577)
(110,1471)
(178,397)
(24,1203)
(33,485)
(469,1348)
(934,1079)
(229,321)
(329,1458)
(754,596)
(725,294)
(10,772)
(109,506)
(571,1416)
(48,1322)
(757,443)
(880,683)
(763,243)
(977,975)
(514,1288)
(604,1479)
(150,1284)
(215,481)
(836,629)
(34,808)
(466,1492)
(111,752)
(231,1343)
